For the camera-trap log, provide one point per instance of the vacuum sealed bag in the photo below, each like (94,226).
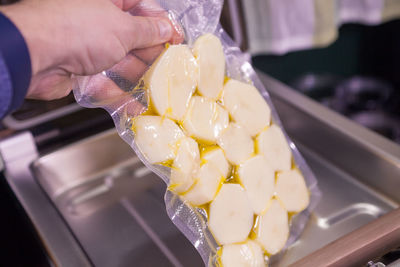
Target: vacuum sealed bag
(198,117)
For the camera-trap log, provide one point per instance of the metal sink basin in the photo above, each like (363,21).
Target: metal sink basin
(107,209)
(113,204)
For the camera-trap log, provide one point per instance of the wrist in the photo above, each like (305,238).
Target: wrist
(15,55)
(24,16)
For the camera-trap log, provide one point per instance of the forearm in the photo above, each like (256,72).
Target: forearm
(15,66)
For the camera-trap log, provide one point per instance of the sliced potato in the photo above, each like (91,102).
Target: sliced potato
(157,137)
(273,228)
(208,180)
(185,165)
(292,190)
(211,60)
(205,120)
(217,157)
(273,145)
(231,215)
(171,81)
(236,143)
(248,254)
(246,106)
(258,180)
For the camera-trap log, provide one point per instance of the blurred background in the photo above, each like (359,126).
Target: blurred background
(343,54)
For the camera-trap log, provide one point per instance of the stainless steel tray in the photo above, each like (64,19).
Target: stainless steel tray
(114,207)
(113,204)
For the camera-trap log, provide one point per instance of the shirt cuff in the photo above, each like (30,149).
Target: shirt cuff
(16,57)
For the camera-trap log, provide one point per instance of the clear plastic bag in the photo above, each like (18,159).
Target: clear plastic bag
(122,94)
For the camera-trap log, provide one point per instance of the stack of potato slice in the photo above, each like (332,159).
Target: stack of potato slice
(224,152)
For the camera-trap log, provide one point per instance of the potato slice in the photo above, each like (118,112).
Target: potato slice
(211,60)
(205,120)
(231,215)
(273,145)
(236,143)
(273,228)
(157,137)
(246,106)
(258,180)
(208,180)
(171,81)
(217,157)
(292,190)
(247,254)
(185,165)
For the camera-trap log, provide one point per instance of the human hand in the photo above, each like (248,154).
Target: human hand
(84,37)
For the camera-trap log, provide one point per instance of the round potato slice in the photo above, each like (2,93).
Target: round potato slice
(217,157)
(248,254)
(292,190)
(236,143)
(273,145)
(156,137)
(205,119)
(208,180)
(258,180)
(273,228)
(171,81)
(231,215)
(185,165)
(246,106)
(211,60)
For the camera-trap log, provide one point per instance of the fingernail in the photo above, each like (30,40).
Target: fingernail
(165,29)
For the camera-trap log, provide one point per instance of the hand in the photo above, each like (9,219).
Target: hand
(84,37)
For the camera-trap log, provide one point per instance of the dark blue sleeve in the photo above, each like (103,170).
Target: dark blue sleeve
(15,67)
(5,88)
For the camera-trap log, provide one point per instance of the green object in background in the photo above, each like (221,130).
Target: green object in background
(359,50)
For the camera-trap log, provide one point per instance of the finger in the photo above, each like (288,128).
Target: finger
(130,68)
(141,32)
(100,90)
(178,34)
(151,8)
(104,93)
(130,5)
(148,8)
(148,55)
(50,86)
(118,3)
(126,5)
(115,90)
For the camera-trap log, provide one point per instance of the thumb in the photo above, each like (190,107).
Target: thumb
(142,32)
